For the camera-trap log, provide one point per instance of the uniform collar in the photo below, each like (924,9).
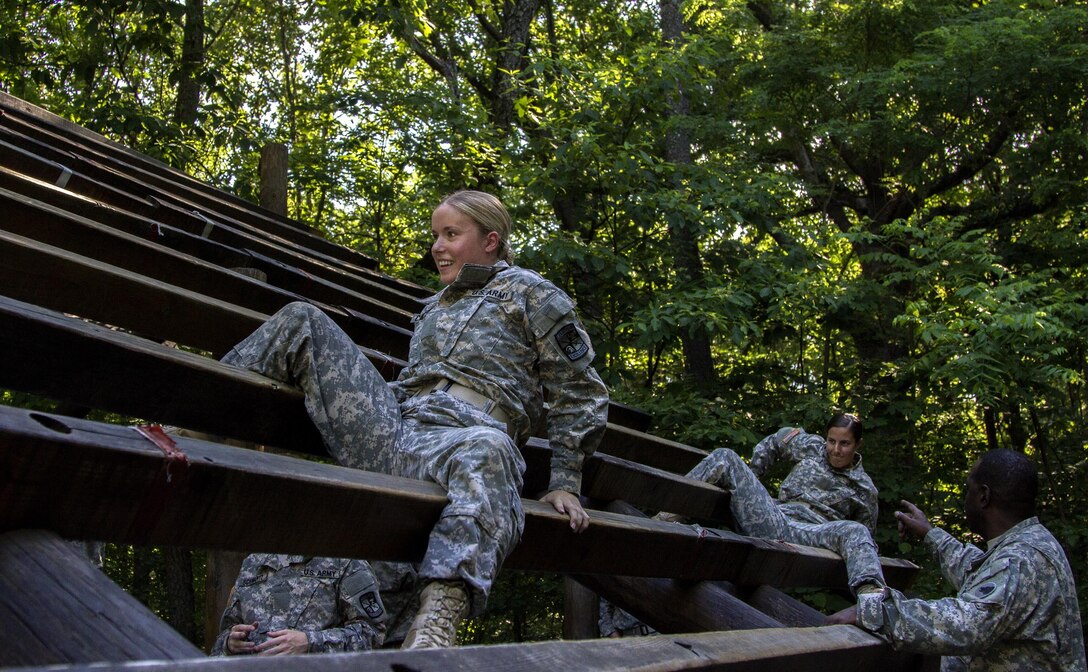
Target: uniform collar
(474,276)
(991,544)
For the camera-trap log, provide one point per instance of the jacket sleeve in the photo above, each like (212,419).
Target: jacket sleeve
(361,611)
(789,443)
(954,557)
(578,398)
(968,624)
(232,616)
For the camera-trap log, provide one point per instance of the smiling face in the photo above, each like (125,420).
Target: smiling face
(459,241)
(841,447)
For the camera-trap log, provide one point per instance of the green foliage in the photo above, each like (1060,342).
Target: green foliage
(523,607)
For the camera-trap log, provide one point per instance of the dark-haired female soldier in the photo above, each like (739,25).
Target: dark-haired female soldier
(827,500)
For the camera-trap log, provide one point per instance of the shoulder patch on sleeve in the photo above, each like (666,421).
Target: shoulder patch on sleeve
(571,343)
(792,433)
(555,308)
(361,589)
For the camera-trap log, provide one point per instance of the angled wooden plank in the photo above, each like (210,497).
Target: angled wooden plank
(67,359)
(63,358)
(56,608)
(178,184)
(614,478)
(671,606)
(839,647)
(88,479)
(207,224)
(63,281)
(781,606)
(676,606)
(654,451)
(183,232)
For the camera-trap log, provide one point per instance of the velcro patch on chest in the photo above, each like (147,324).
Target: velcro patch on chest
(571,342)
(497,294)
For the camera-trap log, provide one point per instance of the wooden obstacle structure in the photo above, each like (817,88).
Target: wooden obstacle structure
(121,283)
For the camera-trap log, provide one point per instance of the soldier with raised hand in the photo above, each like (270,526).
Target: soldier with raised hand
(294,604)
(484,351)
(827,500)
(1016,606)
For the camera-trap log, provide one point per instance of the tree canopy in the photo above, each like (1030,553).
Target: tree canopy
(766,209)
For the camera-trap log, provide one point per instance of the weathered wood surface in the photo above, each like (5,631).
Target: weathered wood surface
(87,479)
(273,171)
(781,606)
(56,608)
(83,148)
(671,606)
(183,299)
(210,226)
(839,647)
(581,611)
(70,360)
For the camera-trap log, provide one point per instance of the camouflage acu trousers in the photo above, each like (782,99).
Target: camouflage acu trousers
(759,515)
(364,427)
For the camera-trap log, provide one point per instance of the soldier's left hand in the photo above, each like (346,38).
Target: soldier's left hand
(284,643)
(566,502)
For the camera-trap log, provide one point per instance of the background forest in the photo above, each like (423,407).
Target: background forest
(766,210)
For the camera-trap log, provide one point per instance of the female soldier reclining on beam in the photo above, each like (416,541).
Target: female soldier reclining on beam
(827,500)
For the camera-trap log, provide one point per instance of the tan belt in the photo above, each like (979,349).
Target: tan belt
(469,396)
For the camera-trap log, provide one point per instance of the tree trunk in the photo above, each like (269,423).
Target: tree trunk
(698,362)
(192,60)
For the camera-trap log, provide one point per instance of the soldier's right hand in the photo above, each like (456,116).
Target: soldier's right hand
(238,641)
(912,521)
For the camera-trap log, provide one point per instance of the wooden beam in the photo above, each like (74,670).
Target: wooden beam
(304,269)
(671,606)
(94,152)
(57,608)
(581,611)
(782,607)
(651,450)
(678,606)
(70,360)
(798,650)
(88,479)
(162,308)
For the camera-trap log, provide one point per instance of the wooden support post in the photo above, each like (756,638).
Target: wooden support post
(581,610)
(222,572)
(273,170)
(56,608)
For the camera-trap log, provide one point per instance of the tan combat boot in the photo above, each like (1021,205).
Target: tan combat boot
(442,606)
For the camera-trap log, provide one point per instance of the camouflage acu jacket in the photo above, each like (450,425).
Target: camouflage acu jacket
(1016,608)
(333,600)
(512,336)
(814,491)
